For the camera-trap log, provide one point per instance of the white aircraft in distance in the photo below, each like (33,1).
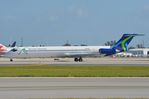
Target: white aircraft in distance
(77,52)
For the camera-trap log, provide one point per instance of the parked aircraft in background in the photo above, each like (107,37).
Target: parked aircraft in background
(77,52)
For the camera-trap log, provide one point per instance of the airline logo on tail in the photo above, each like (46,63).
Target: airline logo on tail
(2,48)
(120,46)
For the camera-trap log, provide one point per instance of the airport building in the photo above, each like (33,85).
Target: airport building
(139,52)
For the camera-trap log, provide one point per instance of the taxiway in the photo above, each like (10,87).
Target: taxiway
(65,87)
(108,61)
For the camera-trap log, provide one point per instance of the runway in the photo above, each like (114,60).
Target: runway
(97,87)
(107,61)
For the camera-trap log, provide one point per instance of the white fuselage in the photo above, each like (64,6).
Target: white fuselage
(54,51)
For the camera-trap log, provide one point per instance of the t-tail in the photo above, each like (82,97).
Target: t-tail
(120,46)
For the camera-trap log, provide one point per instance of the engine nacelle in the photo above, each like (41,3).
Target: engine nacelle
(106,51)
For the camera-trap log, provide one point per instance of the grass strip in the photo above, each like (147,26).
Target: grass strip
(74,71)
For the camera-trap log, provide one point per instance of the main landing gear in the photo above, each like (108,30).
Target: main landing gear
(78,59)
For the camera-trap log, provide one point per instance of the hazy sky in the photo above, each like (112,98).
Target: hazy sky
(54,22)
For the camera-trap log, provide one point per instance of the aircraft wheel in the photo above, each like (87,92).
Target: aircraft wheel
(80,59)
(76,59)
(11,60)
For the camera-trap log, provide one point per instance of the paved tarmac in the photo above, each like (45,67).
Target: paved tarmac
(107,61)
(65,87)
(105,87)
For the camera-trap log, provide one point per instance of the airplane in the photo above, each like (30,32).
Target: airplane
(77,52)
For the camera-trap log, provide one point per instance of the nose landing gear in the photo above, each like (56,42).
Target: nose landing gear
(11,59)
